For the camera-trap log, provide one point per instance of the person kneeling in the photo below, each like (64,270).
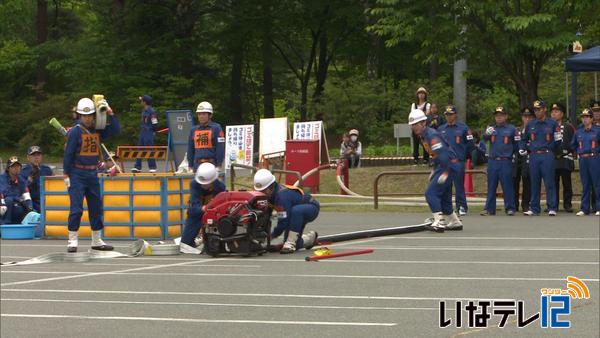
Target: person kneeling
(295,209)
(203,188)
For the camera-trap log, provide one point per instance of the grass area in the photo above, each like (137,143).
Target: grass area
(362,179)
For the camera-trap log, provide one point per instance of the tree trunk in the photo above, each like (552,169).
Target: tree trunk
(42,37)
(268,77)
(433,69)
(373,71)
(236,84)
(323,65)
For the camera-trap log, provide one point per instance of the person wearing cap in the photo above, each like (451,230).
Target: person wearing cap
(31,174)
(586,143)
(80,167)
(595,108)
(564,164)
(351,149)
(445,166)
(504,143)
(422,104)
(206,142)
(521,168)
(295,209)
(149,127)
(15,199)
(541,138)
(460,138)
(203,188)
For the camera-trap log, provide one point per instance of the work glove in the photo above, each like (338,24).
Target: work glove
(443,177)
(522,152)
(3,210)
(67,182)
(489,130)
(558,136)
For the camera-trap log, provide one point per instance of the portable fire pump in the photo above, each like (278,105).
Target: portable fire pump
(237,223)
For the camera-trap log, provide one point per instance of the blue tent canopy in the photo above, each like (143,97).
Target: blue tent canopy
(588,61)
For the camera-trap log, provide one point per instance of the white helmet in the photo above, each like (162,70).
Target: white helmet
(206,173)
(263,179)
(416,116)
(204,107)
(86,106)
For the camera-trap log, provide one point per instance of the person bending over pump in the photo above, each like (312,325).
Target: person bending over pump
(203,188)
(446,166)
(294,208)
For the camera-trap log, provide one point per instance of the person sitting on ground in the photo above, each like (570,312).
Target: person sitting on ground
(15,199)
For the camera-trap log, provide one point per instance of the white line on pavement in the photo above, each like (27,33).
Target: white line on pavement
(219,304)
(104,273)
(224,294)
(260,275)
(194,320)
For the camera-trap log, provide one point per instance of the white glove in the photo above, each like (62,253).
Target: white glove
(443,177)
(3,210)
(558,136)
(67,183)
(522,152)
(489,130)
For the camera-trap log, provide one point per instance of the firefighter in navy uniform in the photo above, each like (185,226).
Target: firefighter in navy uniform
(203,188)
(540,139)
(446,166)
(15,199)
(207,140)
(504,143)
(149,127)
(31,173)
(595,108)
(521,168)
(294,208)
(460,138)
(586,143)
(564,163)
(80,166)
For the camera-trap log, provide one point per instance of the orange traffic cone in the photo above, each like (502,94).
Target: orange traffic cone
(469,180)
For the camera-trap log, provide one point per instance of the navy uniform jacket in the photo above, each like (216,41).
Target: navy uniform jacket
(33,180)
(83,145)
(539,136)
(200,196)
(504,141)
(206,144)
(13,190)
(586,141)
(564,158)
(437,147)
(459,137)
(286,197)
(149,122)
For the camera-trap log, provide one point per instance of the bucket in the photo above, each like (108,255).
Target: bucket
(17,231)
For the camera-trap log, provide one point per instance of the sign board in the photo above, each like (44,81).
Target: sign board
(239,146)
(313,130)
(273,134)
(402,130)
(180,123)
